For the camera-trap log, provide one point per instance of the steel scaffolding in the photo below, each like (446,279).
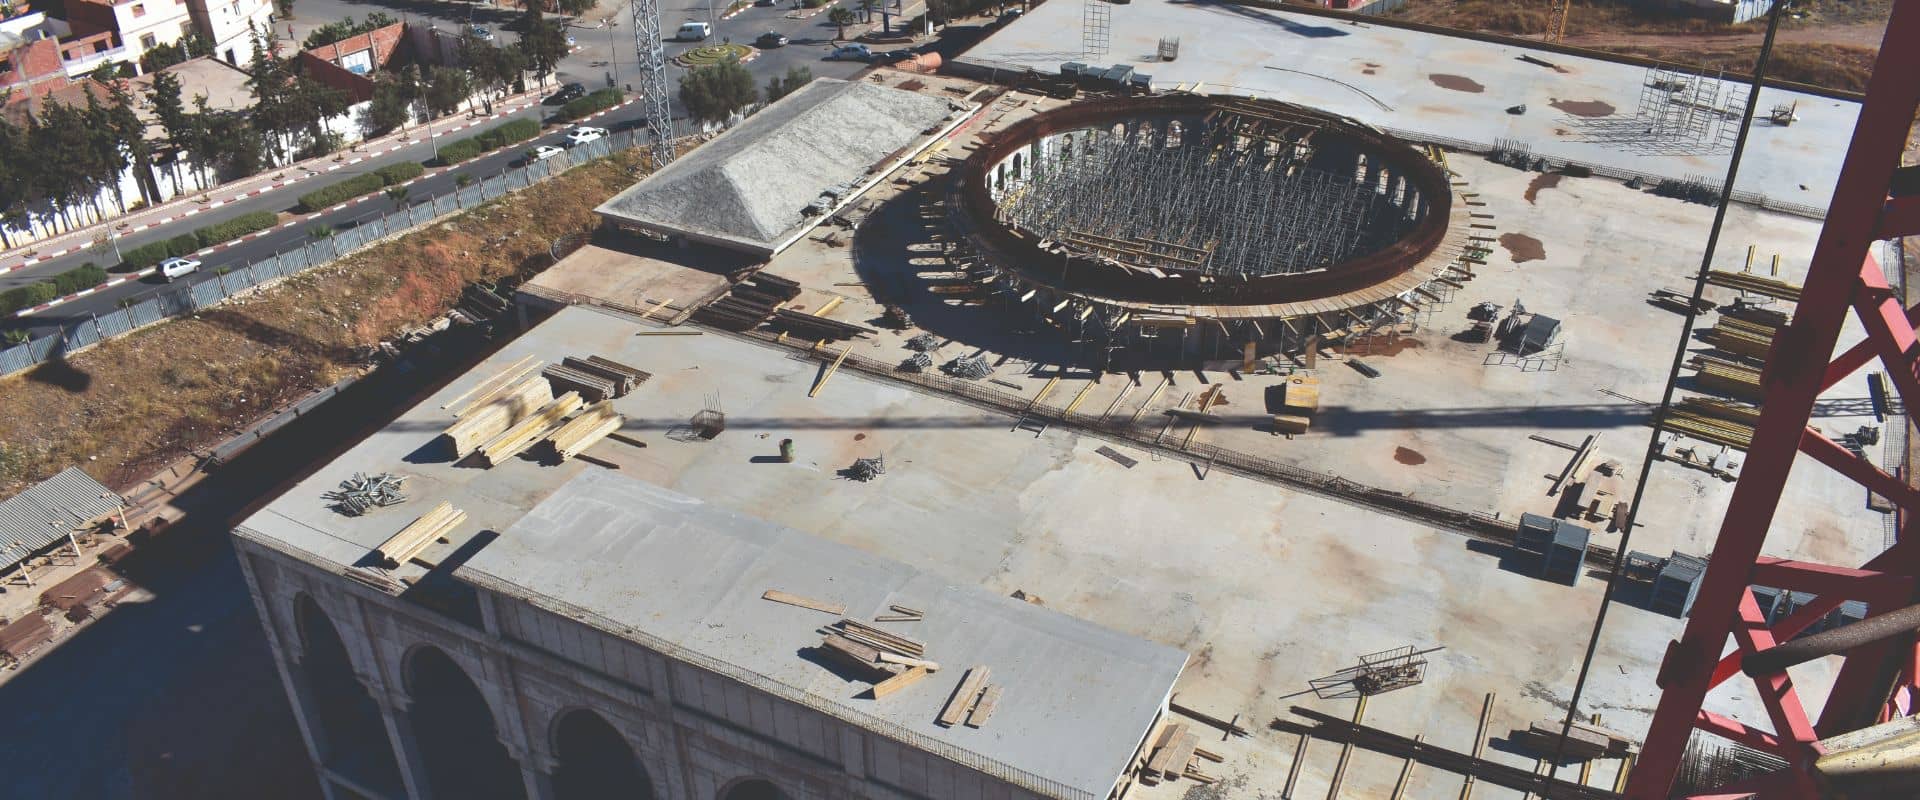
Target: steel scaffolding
(1215,203)
(651,58)
(1880,677)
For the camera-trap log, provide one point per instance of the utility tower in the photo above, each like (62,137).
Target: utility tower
(652,59)
(1876,199)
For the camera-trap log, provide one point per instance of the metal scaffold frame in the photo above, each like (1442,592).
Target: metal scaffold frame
(1096,27)
(1215,203)
(651,56)
(1880,678)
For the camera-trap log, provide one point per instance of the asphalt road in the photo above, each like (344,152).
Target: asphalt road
(600,54)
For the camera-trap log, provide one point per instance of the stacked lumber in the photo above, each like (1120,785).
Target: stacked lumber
(1706,427)
(530,429)
(591,386)
(1173,752)
(1741,337)
(1742,413)
(748,303)
(871,648)
(499,410)
(430,527)
(488,389)
(808,326)
(1734,380)
(970,702)
(625,379)
(591,425)
(1749,282)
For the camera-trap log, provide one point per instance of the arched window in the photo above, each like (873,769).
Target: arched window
(353,738)
(458,741)
(754,789)
(595,761)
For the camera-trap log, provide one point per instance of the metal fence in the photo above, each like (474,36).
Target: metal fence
(356,234)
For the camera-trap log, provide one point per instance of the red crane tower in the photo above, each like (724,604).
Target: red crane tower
(1876,199)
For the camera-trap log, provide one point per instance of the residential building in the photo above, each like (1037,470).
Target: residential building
(139,25)
(231,25)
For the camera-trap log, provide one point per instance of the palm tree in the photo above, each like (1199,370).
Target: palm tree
(841,17)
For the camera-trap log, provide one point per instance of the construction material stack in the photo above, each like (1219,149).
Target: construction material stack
(430,527)
(590,426)
(749,303)
(1173,751)
(1299,400)
(529,429)
(494,412)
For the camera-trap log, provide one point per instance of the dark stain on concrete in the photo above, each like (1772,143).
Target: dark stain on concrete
(1522,247)
(1408,457)
(859,436)
(1458,83)
(1584,108)
(1541,182)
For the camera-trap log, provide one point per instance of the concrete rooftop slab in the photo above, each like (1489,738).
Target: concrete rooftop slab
(682,576)
(1429,87)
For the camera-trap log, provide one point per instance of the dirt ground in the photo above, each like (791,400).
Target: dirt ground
(126,407)
(1832,43)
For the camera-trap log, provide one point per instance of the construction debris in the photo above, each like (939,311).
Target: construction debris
(867,469)
(430,527)
(964,696)
(972,367)
(923,343)
(362,493)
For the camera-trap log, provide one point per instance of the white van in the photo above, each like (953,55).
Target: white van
(693,31)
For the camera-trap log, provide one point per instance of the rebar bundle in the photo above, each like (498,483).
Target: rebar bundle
(1211,201)
(362,493)
(918,362)
(972,368)
(867,469)
(923,343)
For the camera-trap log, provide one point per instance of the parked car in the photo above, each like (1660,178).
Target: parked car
(541,153)
(693,31)
(585,133)
(770,40)
(480,32)
(176,267)
(850,52)
(567,93)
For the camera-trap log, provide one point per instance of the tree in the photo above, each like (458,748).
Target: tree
(389,109)
(866,9)
(446,88)
(283,8)
(494,69)
(15,179)
(841,17)
(711,94)
(780,86)
(132,135)
(164,98)
(574,8)
(542,43)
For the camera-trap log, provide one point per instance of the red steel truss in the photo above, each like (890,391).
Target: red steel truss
(1843,278)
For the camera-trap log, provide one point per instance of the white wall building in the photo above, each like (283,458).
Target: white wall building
(231,26)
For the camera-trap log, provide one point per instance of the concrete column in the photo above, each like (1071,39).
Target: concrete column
(397,713)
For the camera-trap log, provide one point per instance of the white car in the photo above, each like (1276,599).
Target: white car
(850,52)
(176,267)
(542,153)
(583,134)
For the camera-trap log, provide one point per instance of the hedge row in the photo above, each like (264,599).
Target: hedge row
(597,100)
(85,276)
(498,136)
(147,255)
(359,185)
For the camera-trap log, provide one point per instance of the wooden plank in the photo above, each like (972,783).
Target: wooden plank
(505,377)
(909,661)
(983,710)
(1573,466)
(804,602)
(1293,770)
(1479,743)
(830,370)
(1164,380)
(1079,398)
(1406,773)
(1346,752)
(830,306)
(963,696)
(898,682)
(909,611)
(1181,753)
(1163,755)
(656,307)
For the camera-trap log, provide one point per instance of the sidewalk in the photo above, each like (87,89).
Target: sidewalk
(190,204)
